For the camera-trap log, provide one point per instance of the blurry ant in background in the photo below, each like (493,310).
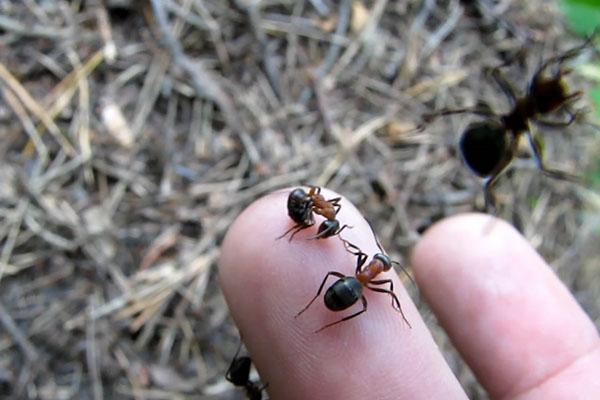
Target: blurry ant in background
(238,374)
(489,146)
(347,290)
(301,206)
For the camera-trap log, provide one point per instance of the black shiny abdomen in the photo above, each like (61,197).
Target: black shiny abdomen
(343,293)
(299,207)
(484,146)
(239,371)
(330,226)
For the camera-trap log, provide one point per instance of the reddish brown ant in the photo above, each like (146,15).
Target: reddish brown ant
(301,206)
(238,374)
(489,146)
(347,290)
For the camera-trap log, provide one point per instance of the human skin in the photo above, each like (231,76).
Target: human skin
(515,324)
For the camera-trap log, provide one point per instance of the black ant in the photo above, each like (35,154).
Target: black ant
(301,206)
(239,375)
(489,146)
(347,290)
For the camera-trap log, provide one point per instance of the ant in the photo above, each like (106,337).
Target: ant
(301,206)
(489,146)
(239,375)
(347,290)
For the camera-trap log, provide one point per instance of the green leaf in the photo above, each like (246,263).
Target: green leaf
(583,15)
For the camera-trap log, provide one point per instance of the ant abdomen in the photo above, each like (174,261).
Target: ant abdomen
(299,206)
(239,371)
(343,293)
(484,146)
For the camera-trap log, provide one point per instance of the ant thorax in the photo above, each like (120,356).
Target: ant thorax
(372,269)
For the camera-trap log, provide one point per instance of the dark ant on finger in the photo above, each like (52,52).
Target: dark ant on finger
(301,205)
(347,290)
(238,374)
(489,146)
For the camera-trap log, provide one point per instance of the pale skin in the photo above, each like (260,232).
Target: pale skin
(513,321)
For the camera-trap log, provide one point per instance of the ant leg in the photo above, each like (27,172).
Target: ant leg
(313,190)
(360,261)
(561,124)
(362,257)
(296,228)
(504,85)
(288,231)
(570,53)
(334,273)
(430,117)
(336,204)
(390,291)
(427,118)
(350,247)
(553,173)
(300,228)
(488,195)
(573,116)
(329,231)
(342,228)
(364,303)
(490,202)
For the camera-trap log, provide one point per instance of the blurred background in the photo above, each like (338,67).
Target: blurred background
(134,132)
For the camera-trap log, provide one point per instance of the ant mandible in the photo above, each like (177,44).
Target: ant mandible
(238,374)
(301,206)
(489,146)
(347,290)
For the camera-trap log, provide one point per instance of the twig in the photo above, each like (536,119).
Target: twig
(92,354)
(321,7)
(443,31)
(367,31)
(35,108)
(28,125)
(9,324)
(34,31)
(334,49)
(360,134)
(204,82)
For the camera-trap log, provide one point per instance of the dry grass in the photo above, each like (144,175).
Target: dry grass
(133,133)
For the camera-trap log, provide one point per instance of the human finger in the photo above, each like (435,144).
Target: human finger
(514,322)
(267,281)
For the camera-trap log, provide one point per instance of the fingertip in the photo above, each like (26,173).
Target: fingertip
(460,236)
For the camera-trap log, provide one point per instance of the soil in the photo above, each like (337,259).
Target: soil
(134,132)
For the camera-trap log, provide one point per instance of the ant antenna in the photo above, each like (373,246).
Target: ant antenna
(405,272)
(383,252)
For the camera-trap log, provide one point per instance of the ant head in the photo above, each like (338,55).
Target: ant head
(239,371)
(328,228)
(385,260)
(483,146)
